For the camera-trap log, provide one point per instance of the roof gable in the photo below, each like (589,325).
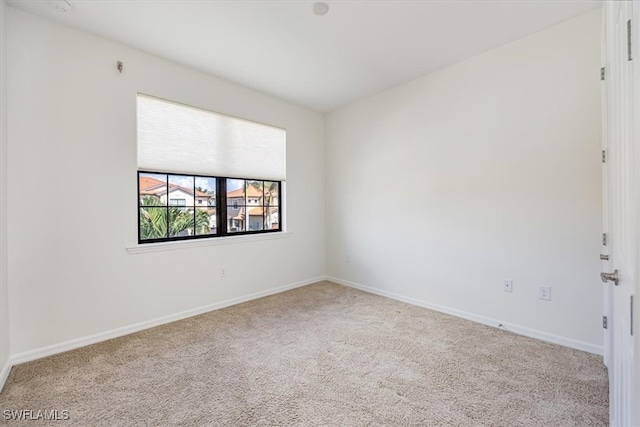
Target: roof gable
(154,186)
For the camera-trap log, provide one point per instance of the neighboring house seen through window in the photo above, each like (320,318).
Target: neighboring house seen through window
(184,189)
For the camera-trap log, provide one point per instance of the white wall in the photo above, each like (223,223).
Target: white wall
(440,189)
(4,306)
(72,125)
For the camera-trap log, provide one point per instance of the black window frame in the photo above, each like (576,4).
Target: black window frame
(220,207)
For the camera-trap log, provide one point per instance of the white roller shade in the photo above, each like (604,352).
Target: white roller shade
(177,138)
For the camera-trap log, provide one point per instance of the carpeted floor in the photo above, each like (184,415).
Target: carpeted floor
(318,355)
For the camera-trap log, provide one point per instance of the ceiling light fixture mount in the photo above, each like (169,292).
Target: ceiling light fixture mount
(60,5)
(320,8)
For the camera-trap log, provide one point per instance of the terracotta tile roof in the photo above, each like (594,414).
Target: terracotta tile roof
(235,193)
(150,185)
(259,210)
(251,192)
(202,194)
(256,211)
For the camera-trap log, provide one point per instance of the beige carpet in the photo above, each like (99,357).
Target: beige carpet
(318,355)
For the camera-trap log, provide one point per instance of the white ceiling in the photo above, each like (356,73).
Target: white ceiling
(322,62)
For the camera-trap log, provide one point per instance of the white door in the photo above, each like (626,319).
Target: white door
(621,208)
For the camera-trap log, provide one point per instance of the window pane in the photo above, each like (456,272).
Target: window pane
(235,219)
(181,222)
(206,221)
(235,192)
(254,193)
(272,219)
(153,189)
(256,218)
(181,190)
(205,191)
(271,195)
(153,223)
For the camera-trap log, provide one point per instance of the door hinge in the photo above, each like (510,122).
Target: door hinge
(602,73)
(604,239)
(604,322)
(604,156)
(629,50)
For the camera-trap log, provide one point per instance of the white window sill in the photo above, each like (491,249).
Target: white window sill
(214,241)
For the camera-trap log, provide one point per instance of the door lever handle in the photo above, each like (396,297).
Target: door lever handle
(604,257)
(610,277)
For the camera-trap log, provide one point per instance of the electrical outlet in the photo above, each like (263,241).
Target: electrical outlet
(507,286)
(223,272)
(347,259)
(544,292)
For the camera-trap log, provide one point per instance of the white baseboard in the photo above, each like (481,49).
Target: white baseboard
(4,374)
(517,329)
(50,350)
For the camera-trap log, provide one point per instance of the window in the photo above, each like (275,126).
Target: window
(228,211)
(186,158)
(252,205)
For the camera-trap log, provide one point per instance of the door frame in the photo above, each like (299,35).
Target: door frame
(621,207)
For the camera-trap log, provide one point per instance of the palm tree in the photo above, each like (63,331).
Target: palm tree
(201,225)
(158,221)
(270,193)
